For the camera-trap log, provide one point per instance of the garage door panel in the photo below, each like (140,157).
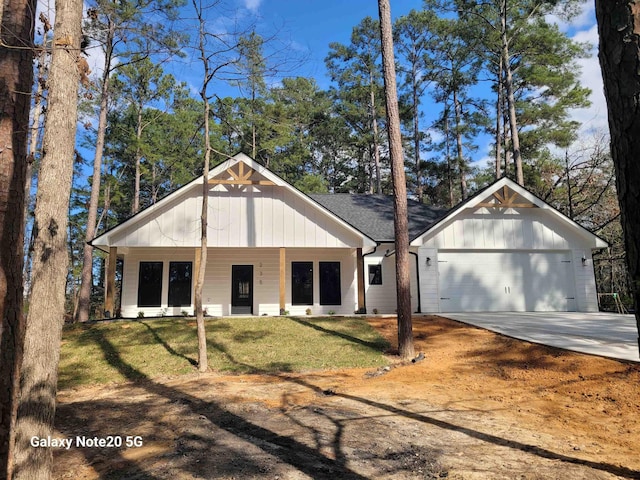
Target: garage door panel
(505,281)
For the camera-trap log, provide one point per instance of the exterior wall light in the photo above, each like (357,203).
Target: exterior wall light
(428,261)
(584,260)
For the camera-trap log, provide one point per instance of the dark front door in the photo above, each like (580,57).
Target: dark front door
(242,289)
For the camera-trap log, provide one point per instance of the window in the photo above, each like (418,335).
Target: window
(330,283)
(150,284)
(179,284)
(302,283)
(375,274)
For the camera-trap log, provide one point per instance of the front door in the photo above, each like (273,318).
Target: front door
(242,289)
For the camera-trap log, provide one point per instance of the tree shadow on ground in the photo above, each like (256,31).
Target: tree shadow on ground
(165,345)
(304,458)
(287,449)
(378,345)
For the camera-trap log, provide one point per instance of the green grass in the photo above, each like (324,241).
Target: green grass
(108,352)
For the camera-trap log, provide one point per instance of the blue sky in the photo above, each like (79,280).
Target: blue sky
(304,27)
(311,25)
(307,27)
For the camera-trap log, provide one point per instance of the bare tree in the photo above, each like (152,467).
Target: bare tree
(16,76)
(400,219)
(215,52)
(619,30)
(202,261)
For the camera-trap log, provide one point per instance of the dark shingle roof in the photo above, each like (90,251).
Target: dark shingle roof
(373,214)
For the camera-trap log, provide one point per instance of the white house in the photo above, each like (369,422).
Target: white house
(271,249)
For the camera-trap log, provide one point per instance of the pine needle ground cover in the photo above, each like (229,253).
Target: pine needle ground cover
(105,352)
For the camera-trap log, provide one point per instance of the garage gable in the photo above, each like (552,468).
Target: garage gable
(507,216)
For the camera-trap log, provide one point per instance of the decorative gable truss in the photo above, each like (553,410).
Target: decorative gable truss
(507,198)
(240,174)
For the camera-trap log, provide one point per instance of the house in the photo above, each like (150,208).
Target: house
(272,249)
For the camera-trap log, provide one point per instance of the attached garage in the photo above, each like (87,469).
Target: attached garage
(504,249)
(505,281)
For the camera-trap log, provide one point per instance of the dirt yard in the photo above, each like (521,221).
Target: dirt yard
(479,406)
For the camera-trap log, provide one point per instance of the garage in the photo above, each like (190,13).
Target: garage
(473,281)
(506,250)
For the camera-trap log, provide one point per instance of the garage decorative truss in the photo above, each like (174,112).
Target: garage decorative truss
(506,199)
(240,176)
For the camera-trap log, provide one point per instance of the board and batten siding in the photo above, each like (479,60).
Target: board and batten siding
(217,288)
(522,229)
(586,291)
(383,298)
(254,216)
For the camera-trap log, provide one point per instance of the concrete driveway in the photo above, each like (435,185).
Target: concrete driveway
(606,334)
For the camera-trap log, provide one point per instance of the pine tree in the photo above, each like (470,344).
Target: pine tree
(400,219)
(619,61)
(48,291)
(355,68)
(16,76)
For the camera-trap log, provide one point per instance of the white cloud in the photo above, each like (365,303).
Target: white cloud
(585,18)
(593,118)
(583,29)
(252,5)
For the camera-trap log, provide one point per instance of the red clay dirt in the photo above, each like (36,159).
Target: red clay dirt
(479,406)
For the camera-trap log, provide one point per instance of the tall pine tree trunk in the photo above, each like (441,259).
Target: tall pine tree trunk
(86,280)
(499,122)
(619,30)
(459,150)
(400,218)
(511,102)
(450,168)
(416,136)
(16,77)
(138,174)
(39,376)
(202,336)
(376,147)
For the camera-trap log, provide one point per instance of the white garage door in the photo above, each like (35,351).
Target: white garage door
(505,281)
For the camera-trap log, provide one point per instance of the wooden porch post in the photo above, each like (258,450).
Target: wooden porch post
(110,291)
(362,307)
(283,280)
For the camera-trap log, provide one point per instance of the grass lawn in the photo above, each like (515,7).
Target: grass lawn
(117,351)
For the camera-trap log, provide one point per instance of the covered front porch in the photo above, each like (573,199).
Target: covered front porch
(160,281)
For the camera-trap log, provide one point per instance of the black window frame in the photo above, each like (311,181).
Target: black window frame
(375,274)
(330,283)
(181,285)
(150,284)
(301,283)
